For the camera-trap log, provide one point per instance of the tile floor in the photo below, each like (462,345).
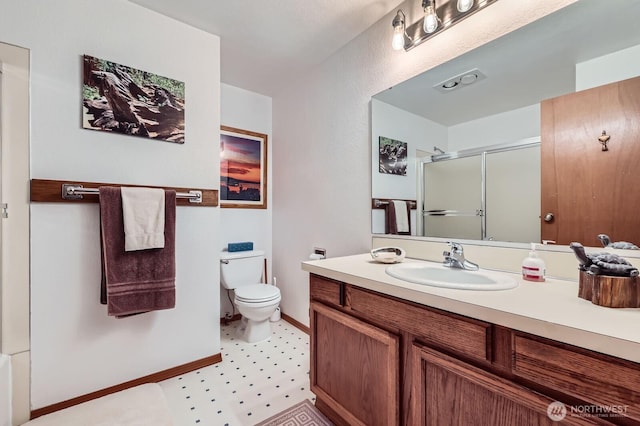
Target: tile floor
(253,381)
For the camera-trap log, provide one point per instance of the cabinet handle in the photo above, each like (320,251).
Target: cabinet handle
(341,296)
(548,217)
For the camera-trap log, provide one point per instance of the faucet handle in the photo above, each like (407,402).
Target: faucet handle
(455,247)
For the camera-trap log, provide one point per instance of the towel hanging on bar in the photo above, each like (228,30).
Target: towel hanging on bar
(397,218)
(136,281)
(143,214)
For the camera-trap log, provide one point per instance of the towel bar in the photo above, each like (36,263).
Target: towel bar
(377,203)
(74,192)
(61,191)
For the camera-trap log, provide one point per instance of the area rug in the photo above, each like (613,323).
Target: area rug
(302,414)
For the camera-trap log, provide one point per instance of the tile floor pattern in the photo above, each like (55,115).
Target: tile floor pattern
(252,383)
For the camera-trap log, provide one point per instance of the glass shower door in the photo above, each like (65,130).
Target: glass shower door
(453,196)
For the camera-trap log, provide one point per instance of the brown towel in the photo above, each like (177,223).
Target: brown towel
(391,221)
(137,281)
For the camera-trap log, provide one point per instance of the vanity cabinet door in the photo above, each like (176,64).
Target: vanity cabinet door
(447,391)
(354,369)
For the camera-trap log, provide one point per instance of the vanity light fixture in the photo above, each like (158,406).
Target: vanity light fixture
(431,19)
(464,5)
(397,42)
(438,16)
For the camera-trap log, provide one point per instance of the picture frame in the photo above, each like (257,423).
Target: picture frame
(243,168)
(392,156)
(123,100)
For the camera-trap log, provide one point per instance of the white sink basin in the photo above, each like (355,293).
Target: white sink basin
(440,276)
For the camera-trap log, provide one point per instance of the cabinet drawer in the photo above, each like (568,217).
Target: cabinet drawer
(594,378)
(469,337)
(326,290)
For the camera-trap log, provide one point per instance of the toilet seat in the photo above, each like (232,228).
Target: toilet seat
(257,293)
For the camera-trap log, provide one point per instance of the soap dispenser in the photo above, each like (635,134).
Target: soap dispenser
(533,268)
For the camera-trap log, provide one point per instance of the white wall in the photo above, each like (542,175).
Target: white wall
(419,134)
(247,110)
(75,347)
(495,129)
(610,68)
(322,177)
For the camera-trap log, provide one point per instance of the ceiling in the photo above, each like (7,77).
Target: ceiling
(266,44)
(533,63)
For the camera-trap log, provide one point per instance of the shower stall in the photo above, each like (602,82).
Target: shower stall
(485,193)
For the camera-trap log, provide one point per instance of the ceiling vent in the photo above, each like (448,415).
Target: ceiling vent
(461,80)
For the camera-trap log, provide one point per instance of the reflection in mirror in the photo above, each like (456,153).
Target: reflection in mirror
(559,54)
(475,194)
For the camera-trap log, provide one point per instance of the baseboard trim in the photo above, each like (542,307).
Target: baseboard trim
(151,378)
(295,323)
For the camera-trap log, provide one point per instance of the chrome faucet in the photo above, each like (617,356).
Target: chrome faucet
(455,258)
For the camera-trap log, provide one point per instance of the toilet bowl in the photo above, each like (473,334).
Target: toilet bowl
(256,303)
(241,272)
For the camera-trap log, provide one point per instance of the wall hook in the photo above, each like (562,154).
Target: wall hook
(603,139)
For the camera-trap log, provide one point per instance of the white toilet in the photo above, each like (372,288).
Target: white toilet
(241,271)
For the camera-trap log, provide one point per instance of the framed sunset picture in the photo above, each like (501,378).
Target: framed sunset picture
(243,168)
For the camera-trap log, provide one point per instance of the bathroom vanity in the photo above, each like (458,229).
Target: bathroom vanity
(389,352)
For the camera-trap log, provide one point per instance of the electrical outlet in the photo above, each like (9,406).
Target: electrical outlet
(320,251)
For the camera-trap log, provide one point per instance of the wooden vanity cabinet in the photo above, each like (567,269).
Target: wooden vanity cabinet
(380,360)
(354,368)
(448,391)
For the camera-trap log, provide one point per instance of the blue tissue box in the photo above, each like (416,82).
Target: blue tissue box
(240,246)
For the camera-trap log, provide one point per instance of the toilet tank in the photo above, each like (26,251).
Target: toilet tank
(241,268)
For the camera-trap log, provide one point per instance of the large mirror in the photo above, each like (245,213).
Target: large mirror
(483,101)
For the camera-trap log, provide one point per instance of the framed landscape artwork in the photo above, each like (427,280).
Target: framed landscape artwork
(125,100)
(243,168)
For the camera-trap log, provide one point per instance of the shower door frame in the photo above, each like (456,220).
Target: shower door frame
(482,152)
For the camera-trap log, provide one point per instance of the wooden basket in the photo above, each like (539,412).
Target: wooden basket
(609,291)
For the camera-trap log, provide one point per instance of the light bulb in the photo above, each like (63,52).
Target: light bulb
(464,5)
(397,42)
(430,20)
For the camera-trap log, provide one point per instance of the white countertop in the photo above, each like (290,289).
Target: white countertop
(551,309)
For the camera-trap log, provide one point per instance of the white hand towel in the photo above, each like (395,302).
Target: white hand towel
(143,214)
(402,219)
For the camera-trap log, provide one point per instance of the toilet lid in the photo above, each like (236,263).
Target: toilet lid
(257,293)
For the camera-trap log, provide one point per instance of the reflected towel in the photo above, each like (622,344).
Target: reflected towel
(136,281)
(397,218)
(143,212)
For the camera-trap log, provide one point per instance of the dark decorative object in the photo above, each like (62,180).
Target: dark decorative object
(607,279)
(243,168)
(623,245)
(392,156)
(603,263)
(603,139)
(120,99)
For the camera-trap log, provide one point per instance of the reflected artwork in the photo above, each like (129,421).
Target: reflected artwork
(392,156)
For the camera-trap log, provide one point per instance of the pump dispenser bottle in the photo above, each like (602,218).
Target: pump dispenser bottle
(533,268)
